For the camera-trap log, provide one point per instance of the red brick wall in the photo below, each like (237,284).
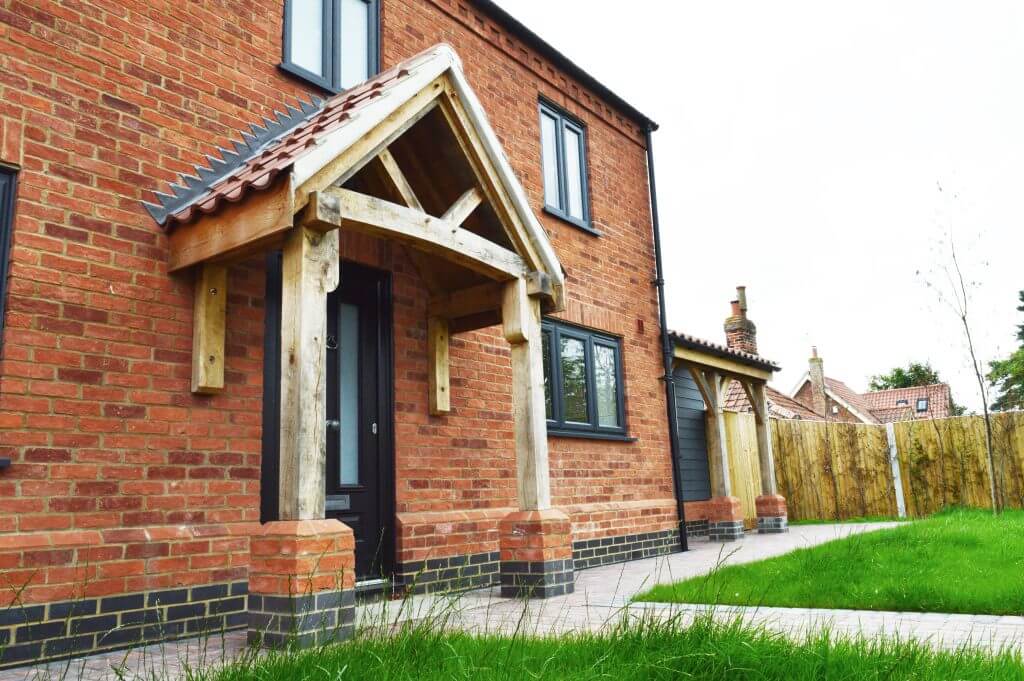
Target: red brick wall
(121,479)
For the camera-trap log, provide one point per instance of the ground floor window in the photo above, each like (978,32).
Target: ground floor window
(582,380)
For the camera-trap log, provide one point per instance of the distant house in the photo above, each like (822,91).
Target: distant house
(829,396)
(818,397)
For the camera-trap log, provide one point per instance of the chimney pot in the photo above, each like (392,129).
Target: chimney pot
(740,332)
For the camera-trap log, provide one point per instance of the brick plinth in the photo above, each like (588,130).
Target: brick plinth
(302,583)
(772,514)
(725,519)
(536,554)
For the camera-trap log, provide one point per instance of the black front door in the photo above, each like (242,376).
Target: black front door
(359,479)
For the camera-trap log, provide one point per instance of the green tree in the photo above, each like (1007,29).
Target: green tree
(914,375)
(1007,375)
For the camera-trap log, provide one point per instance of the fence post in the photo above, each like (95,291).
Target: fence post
(894,462)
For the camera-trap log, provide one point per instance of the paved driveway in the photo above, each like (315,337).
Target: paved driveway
(601,600)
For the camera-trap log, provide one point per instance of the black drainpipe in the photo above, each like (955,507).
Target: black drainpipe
(666,344)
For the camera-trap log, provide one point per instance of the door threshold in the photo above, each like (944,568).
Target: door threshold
(370,585)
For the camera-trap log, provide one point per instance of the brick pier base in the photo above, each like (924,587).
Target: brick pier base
(772,514)
(302,583)
(536,554)
(725,519)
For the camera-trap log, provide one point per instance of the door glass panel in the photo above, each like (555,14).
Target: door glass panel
(574,380)
(606,385)
(348,360)
(355,42)
(549,152)
(574,173)
(545,344)
(307,35)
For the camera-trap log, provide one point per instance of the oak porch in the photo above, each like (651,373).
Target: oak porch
(713,373)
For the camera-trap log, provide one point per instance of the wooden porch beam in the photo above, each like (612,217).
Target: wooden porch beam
(335,207)
(309,272)
(521,326)
(463,207)
(709,382)
(757,394)
(467,301)
(235,229)
(209,314)
(392,176)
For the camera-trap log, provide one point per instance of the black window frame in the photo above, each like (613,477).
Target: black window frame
(557,424)
(917,405)
(331,57)
(564,121)
(8,195)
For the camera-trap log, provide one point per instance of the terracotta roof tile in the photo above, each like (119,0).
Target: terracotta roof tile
(851,397)
(883,403)
(748,358)
(274,147)
(780,406)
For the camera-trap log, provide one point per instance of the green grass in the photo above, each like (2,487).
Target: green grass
(859,519)
(959,561)
(703,652)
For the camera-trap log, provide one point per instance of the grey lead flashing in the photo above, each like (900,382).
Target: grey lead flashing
(190,188)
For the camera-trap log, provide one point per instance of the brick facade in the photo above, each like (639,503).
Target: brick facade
(122,481)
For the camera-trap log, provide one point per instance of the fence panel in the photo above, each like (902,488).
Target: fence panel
(944,462)
(833,470)
(744,469)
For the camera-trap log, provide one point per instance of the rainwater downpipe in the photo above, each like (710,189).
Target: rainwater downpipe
(666,343)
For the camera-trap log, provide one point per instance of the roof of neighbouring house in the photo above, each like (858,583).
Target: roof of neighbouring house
(718,350)
(883,403)
(780,405)
(851,397)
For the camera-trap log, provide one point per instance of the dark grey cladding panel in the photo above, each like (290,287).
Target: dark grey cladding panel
(694,473)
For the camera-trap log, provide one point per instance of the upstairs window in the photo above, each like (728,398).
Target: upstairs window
(582,381)
(564,159)
(922,404)
(331,43)
(8,184)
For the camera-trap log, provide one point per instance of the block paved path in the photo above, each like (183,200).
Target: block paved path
(601,600)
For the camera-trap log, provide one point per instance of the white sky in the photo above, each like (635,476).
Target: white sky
(800,150)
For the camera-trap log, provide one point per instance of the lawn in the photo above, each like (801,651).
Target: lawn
(959,561)
(702,652)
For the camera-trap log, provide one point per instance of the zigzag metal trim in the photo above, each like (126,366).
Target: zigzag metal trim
(190,188)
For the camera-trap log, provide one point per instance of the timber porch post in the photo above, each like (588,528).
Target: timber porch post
(302,567)
(772,512)
(536,541)
(725,513)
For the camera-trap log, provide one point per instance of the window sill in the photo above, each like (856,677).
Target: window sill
(589,435)
(578,224)
(307,78)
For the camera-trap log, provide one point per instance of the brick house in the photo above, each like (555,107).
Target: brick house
(818,397)
(173,375)
(837,401)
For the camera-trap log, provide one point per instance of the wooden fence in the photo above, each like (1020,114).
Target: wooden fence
(832,471)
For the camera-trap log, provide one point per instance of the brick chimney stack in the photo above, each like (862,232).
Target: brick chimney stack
(816,374)
(740,332)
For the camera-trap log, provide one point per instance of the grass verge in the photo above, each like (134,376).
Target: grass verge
(704,651)
(960,561)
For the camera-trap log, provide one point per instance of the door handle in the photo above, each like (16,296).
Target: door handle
(333,425)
